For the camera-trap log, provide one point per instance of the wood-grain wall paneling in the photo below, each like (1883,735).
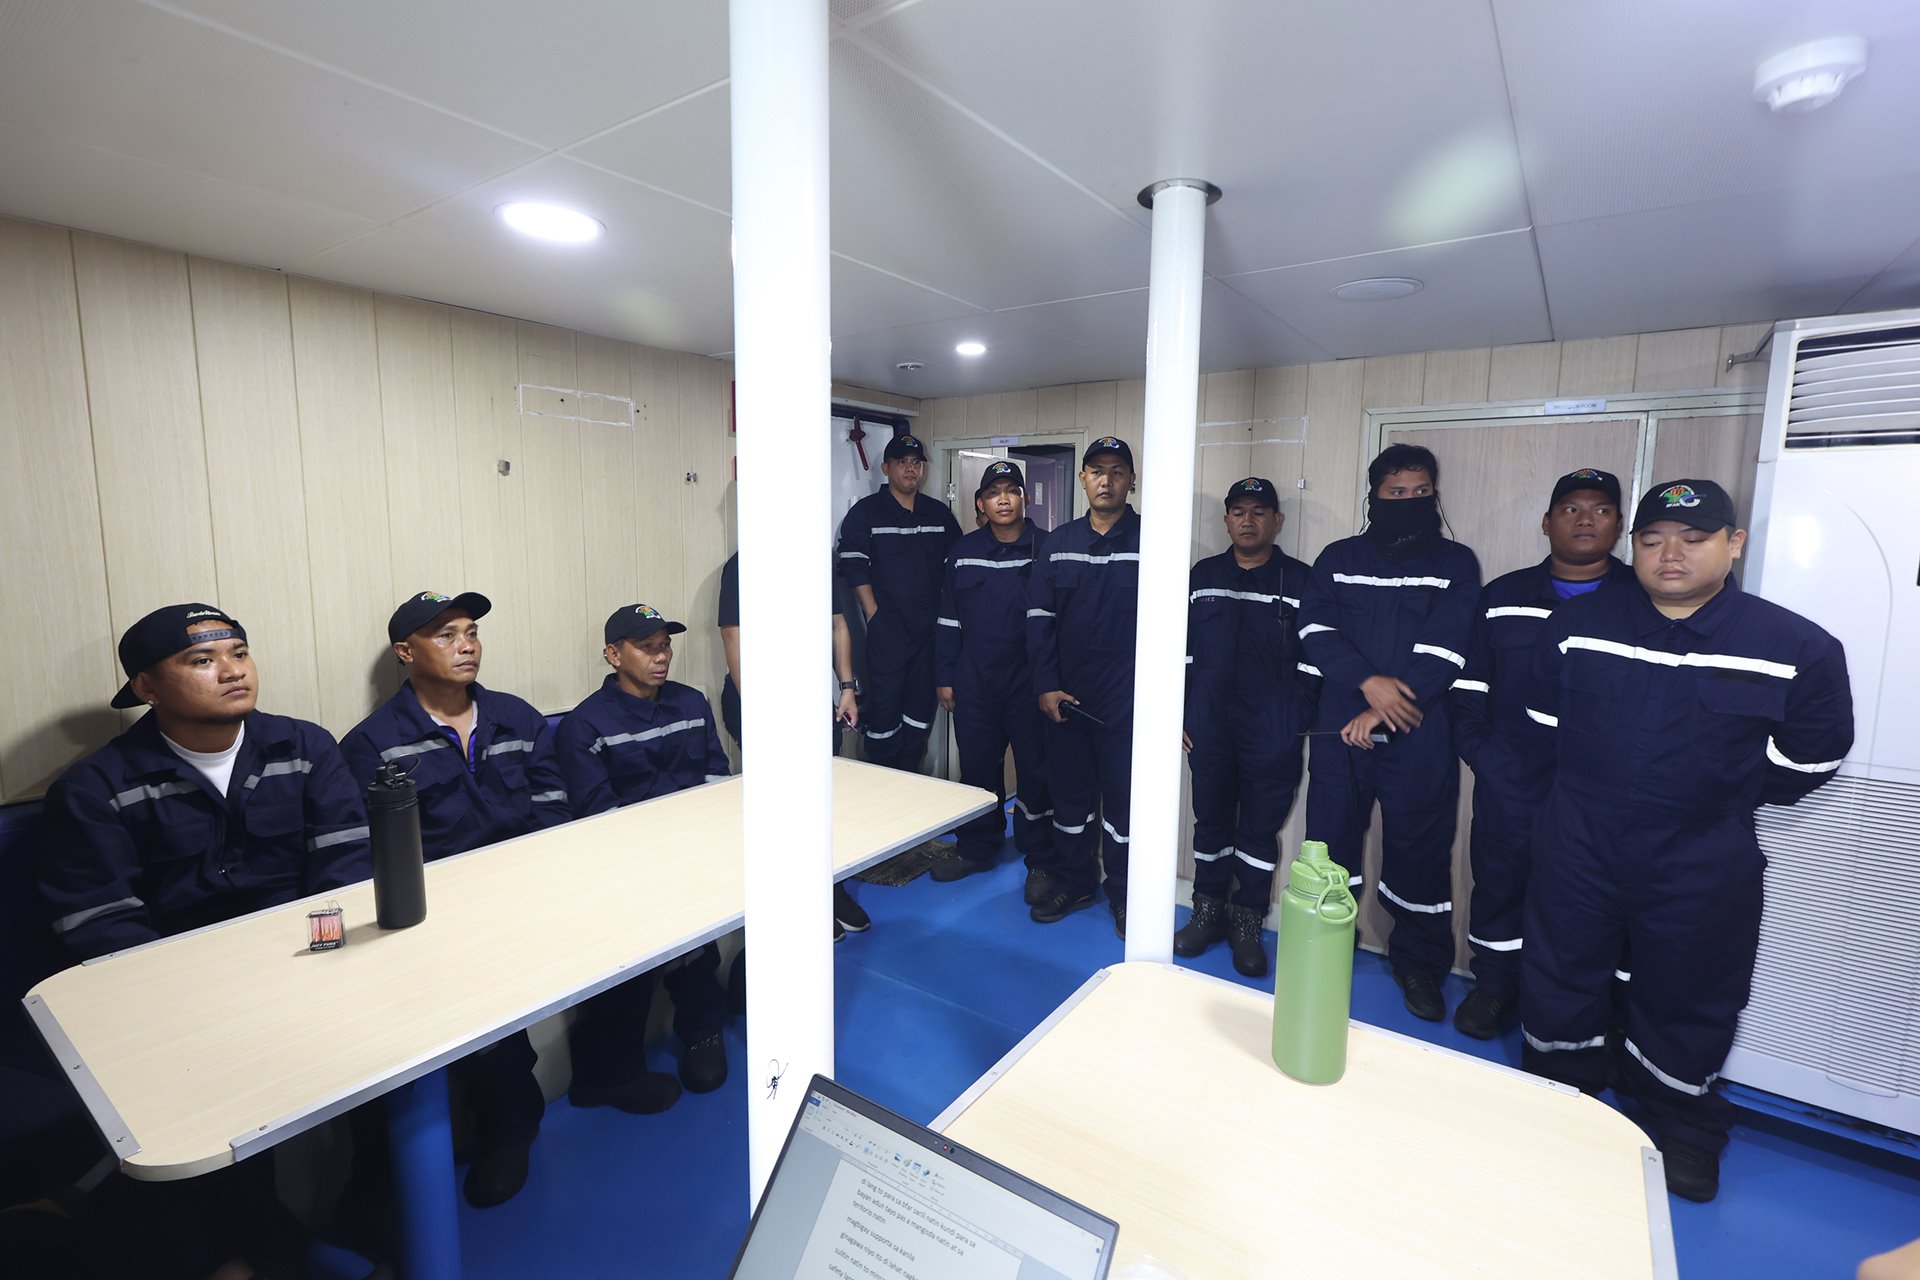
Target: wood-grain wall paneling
(422,439)
(251,417)
(1457,377)
(1336,437)
(143,390)
(565,635)
(1740,340)
(707,529)
(1019,413)
(1054,413)
(336,361)
(868,395)
(1224,453)
(664,460)
(1279,451)
(493,509)
(1724,449)
(1529,371)
(53,596)
(1681,360)
(615,496)
(1597,366)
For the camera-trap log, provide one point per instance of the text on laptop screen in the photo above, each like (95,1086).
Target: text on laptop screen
(852,1200)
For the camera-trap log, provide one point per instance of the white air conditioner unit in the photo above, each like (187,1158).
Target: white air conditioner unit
(1835,1015)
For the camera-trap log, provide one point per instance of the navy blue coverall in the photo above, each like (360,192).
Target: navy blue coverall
(138,846)
(729,616)
(1249,700)
(1511,772)
(1366,615)
(980,652)
(615,749)
(899,553)
(1669,734)
(505,784)
(1082,605)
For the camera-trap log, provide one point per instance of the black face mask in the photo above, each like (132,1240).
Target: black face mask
(1402,528)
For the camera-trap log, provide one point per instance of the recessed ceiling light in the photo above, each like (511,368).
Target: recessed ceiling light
(550,222)
(1809,75)
(971,349)
(1377,289)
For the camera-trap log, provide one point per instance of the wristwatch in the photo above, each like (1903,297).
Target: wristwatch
(850,684)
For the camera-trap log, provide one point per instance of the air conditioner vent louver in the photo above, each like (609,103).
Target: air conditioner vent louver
(1857,384)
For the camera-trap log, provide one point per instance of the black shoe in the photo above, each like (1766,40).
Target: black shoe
(1119,908)
(1421,995)
(1057,904)
(649,1094)
(847,913)
(949,869)
(1482,1014)
(1207,926)
(496,1176)
(1693,1173)
(1039,885)
(703,1068)
(1243,927)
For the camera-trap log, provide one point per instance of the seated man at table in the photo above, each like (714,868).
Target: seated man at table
(482,763)
(205,809)
(638,737)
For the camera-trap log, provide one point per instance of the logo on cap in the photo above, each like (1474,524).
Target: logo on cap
(434,597)
(646,611)
(1249,485)
(1584,473)
(1680,495)
(1104,442)
(907,442)
(205,613)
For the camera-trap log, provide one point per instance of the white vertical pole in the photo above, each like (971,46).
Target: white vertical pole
(783,384)
(1166,541)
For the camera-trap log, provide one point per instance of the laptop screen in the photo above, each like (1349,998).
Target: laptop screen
(859,1192)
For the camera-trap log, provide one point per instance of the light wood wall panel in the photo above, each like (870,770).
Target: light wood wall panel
(1336,474)
(613,551)
(415,349)
(1530,371)
(250,420)
(707,520)
(1682,360)
(343,457)
(53,596)
(493,509)
(143,392)
(556,531)
(1597,366)
(1457,377)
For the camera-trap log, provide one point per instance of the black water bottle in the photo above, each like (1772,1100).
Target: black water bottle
(399,865)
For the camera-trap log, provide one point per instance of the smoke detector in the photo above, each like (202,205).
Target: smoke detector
(1377,289)
(911,366)
(1809,76)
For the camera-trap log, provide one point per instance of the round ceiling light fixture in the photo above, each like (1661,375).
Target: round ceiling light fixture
(970,348)
(550,222)
(911,366)
(1809,76)
(1377,289)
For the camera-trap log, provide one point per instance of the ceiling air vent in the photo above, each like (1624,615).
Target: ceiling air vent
(1856,388)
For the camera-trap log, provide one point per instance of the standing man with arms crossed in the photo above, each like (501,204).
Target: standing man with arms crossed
(1502,746)
(986,682)
(1679,704)
(1387,617)
(892,546)
(1249,700)
(1082,606)
(482,764)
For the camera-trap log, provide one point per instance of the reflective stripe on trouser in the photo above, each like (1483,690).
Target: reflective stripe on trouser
(1091,771)
(1682,896)
(1416,780)
(985,724)
(1244,779)
(896,702)
(1500,841)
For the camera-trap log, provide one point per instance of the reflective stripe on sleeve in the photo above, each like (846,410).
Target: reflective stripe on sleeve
(1039,613)
(1552,722)
(949,622)
(1312,627)
(1511,944)
(1722,661)
(1472,686)
(1778,757)
(1435,651)
(1519,611)
(549,797)
(67,924)
(346,836)
(1309,670)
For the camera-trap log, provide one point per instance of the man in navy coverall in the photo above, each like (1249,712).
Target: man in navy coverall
(1082,607)
(1679,704)
(641,735)
(482,764)
(1500,744)
(892,546)
(986,682)
(1249,699)
(1387,617)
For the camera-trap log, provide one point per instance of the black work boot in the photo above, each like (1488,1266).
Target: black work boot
(1693,1173)
(1483,1014)
(1421,994)
(1039,885)
(1249,956)
(1207,926)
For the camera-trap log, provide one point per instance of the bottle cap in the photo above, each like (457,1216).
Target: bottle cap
(391,788)
(1315,875)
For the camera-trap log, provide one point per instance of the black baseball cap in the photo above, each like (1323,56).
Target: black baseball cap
(1585,478)
(1699,503)
(417,610)
(997,472)
(1255,488)
(1108,444)
(637,622)
(906,446)
(163,633)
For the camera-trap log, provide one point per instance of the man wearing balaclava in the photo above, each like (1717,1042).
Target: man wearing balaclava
(1386,619)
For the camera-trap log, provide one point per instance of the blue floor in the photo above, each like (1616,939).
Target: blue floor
(949,979)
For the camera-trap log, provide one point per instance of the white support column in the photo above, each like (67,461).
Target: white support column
(1166,540)
(783,382)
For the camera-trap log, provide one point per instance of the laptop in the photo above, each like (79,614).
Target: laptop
(861,1192)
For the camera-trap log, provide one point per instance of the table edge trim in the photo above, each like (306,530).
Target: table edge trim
(106,1118)
(1666,1263)
(959,1105)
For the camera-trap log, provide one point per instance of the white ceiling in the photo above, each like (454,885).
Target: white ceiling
(1549,170)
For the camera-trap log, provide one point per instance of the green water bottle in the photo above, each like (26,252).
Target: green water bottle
(1313,973)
